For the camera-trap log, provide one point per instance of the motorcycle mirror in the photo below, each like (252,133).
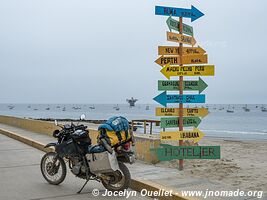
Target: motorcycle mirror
(56,122)
(82,117)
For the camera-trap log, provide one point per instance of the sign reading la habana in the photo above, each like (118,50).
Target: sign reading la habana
(194,135)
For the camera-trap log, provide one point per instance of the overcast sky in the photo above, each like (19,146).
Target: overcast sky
(85,51)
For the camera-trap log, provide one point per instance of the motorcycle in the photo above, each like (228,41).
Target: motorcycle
(74,147)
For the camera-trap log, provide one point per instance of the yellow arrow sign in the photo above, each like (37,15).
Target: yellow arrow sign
(189,59)
(175,37)
(174,50)
(194,135)
(187,112)
(201,70)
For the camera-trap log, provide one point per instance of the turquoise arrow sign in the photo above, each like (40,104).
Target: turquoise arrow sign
(174,25)
(170,85)
(192,13)
(165,98)
(173,122)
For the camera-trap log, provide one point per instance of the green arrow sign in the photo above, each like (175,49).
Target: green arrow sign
(167,85)
(174,25)
(168,152)
(173,122)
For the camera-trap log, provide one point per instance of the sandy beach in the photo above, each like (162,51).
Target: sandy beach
(242,165)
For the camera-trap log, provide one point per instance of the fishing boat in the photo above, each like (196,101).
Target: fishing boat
(263,109)
(92,107)
(116,107)
(245,108)
(230,110)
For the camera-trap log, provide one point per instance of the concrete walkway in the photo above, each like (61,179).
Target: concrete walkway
(168,177)
(21,178)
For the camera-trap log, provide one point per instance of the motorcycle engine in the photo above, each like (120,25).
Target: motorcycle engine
(77,167)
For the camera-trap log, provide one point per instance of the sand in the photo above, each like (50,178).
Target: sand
(243,164)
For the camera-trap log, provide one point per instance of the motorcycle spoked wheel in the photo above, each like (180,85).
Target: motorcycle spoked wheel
(53,168)
(120,180)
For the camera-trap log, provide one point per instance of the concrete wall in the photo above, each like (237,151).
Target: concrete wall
(142,146)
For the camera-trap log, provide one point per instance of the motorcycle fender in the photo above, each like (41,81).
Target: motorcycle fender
(52,144)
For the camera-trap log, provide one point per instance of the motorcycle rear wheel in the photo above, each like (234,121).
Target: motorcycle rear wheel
(123,183)
(53,168)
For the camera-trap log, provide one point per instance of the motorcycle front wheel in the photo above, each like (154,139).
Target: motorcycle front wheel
(53,168)
(119,180)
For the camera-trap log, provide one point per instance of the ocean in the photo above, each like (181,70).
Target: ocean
(238,125)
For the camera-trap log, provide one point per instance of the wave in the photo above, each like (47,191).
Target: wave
(260,132)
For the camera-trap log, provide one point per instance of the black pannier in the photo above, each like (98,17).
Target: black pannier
(67,148)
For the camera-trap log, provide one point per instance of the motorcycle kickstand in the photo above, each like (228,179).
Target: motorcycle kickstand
(83,186)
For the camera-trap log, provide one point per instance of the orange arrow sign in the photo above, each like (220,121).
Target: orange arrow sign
(174,50)
(175,37)
(175,60)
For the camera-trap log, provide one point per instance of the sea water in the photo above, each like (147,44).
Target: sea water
(219,123)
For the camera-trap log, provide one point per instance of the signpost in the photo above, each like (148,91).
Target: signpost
(197,70)
(172,122)
(168,152)
(194,135)
(187,112)
(170,85)
(189,59)
(165,98)
(174,37)
(172,59)
(174,25)
(174,50)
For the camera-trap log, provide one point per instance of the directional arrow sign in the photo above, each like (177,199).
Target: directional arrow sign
(163,98)
(194,135)
(192,13)
(189,59)
(187,112)
(174,50)
(168,152)
(175,37)
(168,85)
(175,25)
(173,122)
(201,70)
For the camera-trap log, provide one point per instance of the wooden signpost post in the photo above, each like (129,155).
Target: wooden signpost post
(172,60)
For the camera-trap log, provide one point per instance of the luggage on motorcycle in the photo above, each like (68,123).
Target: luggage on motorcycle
(102,162)
(115,131)
(66,148)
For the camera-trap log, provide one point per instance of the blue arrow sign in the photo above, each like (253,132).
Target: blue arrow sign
(163,98)
(192,13)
